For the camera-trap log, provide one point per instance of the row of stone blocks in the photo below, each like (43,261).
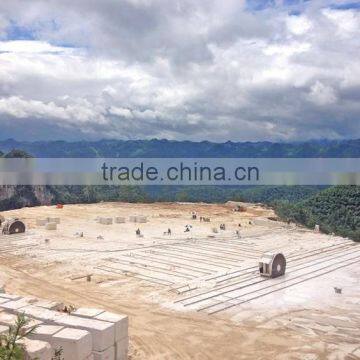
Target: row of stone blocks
(43,222)
(86,334)
(121,220)
(49,223)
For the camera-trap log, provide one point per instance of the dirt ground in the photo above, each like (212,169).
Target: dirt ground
(151,278)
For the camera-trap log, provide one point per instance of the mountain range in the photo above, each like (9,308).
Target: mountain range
(169,148)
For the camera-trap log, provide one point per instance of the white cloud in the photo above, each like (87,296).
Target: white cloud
(126,113)
(347,22)
(81,111)
(184,69)
(298,25)
(321,94)
(29,46)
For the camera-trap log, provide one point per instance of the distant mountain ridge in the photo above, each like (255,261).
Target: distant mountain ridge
(169,148)
(336,209)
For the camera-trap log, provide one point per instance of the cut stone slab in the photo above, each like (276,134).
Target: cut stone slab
(15,306)
(106,221)
(108,354)
(45,332)
(55,220)
(7,319)
(87,312)
(76,344)
(10,296)
(41,222)
(122,349)
(121,323)
(51,226)
(50,305)
(2,300)
(45,315)
(36,349)
(103,333)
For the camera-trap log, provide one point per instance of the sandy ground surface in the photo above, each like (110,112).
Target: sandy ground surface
(194,295)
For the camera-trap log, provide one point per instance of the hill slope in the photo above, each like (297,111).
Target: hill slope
(336,209)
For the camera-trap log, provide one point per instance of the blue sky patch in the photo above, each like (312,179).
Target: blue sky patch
(17,32)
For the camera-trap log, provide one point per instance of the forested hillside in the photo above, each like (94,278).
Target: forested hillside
(336,209)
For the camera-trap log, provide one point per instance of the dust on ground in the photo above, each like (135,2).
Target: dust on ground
(194,294)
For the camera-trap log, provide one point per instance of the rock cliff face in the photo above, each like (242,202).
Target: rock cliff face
(43,195)
(6,192)
(14,197)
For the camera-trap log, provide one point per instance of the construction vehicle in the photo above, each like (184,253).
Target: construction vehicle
(13,226)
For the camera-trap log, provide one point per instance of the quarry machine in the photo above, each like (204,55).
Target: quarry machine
(272,265)
(13,226)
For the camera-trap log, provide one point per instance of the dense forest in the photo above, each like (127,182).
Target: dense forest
(336,210)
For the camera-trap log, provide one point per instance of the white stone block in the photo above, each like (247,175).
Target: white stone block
(76,344)
(15,306)
(51,226)
(10,296)
(120,321)
(7,319)
(141,219)
(55,220)
(36,349)
(2,300)
(106,221)
(87,312)
(103,333)
(47,316)
(120,220)
(50,305)
(108,354)
(45,332)
(122,349)
(41,222)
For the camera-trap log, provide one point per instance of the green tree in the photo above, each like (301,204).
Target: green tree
(10,346)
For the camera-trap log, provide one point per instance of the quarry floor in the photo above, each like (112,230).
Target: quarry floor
(197,294)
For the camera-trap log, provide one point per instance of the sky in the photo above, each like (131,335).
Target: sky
(275,70)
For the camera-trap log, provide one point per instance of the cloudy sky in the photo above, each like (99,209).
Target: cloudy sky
(180,69)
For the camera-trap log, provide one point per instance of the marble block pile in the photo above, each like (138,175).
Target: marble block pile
(49,223)
(86,333)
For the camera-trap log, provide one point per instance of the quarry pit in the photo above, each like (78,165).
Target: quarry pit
(196,293)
